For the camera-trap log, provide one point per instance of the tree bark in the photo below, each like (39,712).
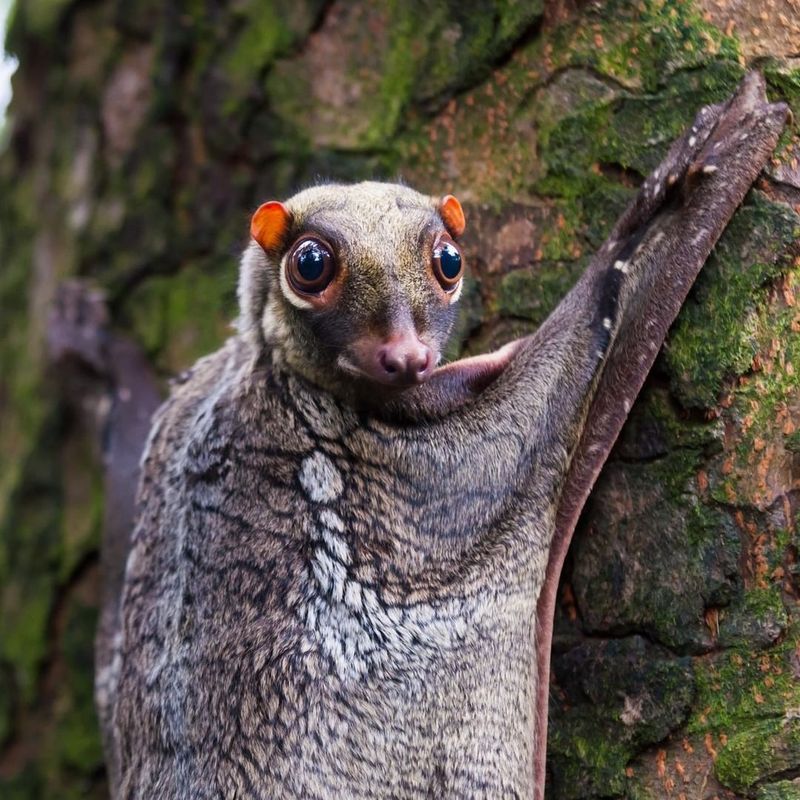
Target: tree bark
(143,133)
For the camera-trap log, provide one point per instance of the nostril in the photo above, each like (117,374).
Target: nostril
(389,365)
(422,363)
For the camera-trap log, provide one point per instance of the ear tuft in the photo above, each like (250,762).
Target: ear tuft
(270,224)
(452,215)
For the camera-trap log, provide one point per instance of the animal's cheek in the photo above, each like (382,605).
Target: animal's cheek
(434,323)
(334,329)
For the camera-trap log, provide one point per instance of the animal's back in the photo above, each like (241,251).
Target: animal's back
(291,625)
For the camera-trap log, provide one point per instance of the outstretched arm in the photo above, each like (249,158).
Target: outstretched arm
(628,298)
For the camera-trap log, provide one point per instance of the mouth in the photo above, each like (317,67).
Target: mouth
(389,378)
(471,375)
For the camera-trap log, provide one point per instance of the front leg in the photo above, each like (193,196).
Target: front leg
(628,298)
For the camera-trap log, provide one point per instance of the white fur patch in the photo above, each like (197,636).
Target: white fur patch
(457,291)
(320,479)
(105,685)
(354,628)
(336,545)
(330,519)
(272,326)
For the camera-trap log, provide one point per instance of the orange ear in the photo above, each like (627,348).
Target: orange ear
(453,215)
(270,223)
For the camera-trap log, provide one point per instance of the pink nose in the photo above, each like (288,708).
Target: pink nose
(404,359)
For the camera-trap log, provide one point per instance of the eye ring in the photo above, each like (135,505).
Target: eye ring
(447,263)
(310,265)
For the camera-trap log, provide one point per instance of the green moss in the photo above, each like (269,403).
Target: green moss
(267,29)
(179,318)
(413,51)
(765,750)
(757,619)
(659,555)
(135,228)
(715,335)
(263,34)
(675,473)
(587,128)
(655,427)
(613,697)
(24,632)
(737,688)
(534,292)
(630,131)
(783,790)
(583,116)
(399,71)
(640,44)
(349,97)
(67,760)
(764,394)
(36,18)
(591,764)
(30,561)
(659,45)
(462,45)
(23,406)
(752,473)
(783,83)
(77,733)
(601,203)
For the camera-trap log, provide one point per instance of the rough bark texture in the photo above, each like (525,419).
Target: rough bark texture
(141,135)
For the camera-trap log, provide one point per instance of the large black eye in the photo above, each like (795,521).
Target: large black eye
(310,266)
(448,266)
(450,259)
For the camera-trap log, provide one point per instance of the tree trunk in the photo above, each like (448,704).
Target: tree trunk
(141,135)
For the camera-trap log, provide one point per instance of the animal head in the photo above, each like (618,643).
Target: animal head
(356,285)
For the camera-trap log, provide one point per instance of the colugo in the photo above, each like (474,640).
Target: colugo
(341,579)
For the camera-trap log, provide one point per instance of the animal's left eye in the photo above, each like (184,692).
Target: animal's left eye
(448,266)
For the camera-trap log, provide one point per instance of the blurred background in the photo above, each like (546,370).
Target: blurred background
(7,63)
(140,137)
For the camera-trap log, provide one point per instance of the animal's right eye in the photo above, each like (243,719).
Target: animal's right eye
(311,266)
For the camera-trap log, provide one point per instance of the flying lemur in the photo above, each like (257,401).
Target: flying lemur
(341,579)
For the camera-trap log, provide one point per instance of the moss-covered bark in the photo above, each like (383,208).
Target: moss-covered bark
(142,132)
